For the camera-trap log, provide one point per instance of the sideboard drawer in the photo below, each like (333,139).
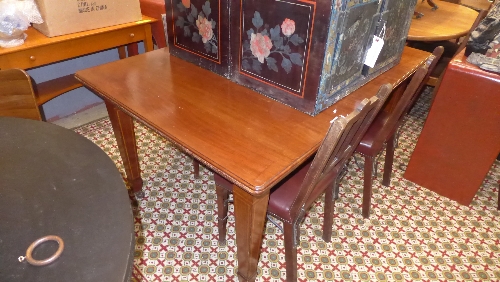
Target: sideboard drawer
(63,50)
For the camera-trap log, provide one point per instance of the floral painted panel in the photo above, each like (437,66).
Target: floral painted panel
(275,42)
(196,27)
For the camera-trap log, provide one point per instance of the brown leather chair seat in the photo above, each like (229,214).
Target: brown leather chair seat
(368,146)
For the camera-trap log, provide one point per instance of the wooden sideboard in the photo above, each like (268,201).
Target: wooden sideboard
(39,50)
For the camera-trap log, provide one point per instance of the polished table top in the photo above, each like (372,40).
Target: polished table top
(243,135)
(56,182)
(449,21)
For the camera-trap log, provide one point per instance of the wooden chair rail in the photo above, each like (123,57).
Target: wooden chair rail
(50,89)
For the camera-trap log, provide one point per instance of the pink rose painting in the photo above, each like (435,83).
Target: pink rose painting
(197,25)
(268,46)
(205,28)
(288,27)
(261,46)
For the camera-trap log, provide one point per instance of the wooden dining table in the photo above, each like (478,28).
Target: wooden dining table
(449,21)
(248,138)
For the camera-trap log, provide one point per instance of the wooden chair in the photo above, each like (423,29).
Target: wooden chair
(17,98)
(292,197)
(383,131)
(451,48)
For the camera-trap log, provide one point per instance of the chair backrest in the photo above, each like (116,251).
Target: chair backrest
(17,98)
(431,63)
(338,145)
(408,98)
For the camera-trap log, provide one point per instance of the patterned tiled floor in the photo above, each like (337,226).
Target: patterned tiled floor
(413,234)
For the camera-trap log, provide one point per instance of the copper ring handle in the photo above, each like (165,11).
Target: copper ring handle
(48,260)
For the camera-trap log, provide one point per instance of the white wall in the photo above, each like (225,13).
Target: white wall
(78,99)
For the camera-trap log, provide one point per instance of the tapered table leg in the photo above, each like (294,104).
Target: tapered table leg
(250,215)
(132,49)
(123,127)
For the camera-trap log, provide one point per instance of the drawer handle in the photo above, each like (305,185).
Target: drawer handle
(132,35)
(32,58)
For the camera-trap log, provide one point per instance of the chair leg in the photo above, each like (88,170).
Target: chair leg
(329,209)
(498,208)
(336,187)
(290,251)
(389,159)
(367,188)
(196,166)
(222,202)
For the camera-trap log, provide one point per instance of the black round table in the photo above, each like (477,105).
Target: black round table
(56,182)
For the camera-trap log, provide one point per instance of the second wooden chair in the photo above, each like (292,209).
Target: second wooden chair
(383,131)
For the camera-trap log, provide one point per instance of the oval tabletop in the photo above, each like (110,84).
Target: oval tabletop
(449,21)
(56,182)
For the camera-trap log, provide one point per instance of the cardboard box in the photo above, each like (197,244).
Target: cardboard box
(69,16)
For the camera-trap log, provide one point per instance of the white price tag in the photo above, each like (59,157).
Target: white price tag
(374,51)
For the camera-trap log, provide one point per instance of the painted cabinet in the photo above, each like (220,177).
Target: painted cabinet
(306,54)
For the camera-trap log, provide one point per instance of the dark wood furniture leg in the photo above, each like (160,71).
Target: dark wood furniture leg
(196,167)
(122,53)
(389,159)
(291,250)
(498,202)
(123,127)
(250,216)
(222,206)
(330,194)
(432,4)
(367,189)
(132,49)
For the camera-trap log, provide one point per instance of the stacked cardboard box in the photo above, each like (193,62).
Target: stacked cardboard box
(64,17)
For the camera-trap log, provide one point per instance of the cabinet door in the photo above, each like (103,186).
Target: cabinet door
(355,27)
(275,43)
(393,26)
(198,31)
